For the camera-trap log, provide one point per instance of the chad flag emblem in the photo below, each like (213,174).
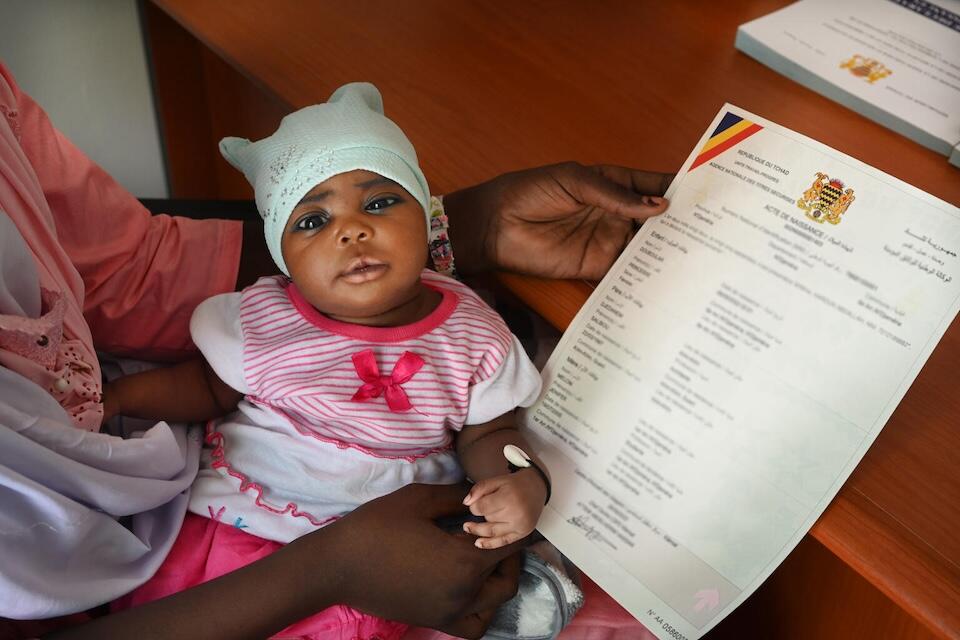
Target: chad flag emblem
(731,130)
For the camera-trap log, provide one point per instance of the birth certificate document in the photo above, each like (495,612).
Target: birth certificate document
(730,371)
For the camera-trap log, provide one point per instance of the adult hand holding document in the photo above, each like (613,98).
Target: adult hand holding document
(735,364)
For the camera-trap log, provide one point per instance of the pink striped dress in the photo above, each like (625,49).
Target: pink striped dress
(337,414)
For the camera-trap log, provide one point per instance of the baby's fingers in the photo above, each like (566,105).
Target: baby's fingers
(487,529)
(491,535)
(483,488)
(498,541)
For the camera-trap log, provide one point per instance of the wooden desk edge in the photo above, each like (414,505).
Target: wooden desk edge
(892,558)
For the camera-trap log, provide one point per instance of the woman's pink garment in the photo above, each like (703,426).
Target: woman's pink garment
(601,618)
(127,282)
(208,548)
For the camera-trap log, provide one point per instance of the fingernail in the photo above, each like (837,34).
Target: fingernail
(478,543)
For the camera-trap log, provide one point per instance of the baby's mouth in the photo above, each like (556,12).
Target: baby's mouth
(363,270)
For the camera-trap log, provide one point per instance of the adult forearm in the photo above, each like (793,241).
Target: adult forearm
(253,602)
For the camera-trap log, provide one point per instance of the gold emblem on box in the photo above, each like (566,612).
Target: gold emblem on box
(867,68)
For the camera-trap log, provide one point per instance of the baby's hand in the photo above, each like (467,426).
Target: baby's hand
(511,505)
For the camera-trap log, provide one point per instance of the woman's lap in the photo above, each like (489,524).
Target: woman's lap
(207,549)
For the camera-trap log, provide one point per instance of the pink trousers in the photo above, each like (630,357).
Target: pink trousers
(207,549)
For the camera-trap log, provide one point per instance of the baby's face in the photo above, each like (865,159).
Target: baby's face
(355,246)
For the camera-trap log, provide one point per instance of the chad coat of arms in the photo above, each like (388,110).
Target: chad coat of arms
(867,68)
(826,200)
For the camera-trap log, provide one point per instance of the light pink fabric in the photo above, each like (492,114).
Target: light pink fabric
(129,281)
(207,549)
(601,618)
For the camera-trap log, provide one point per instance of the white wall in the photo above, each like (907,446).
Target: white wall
(85,63)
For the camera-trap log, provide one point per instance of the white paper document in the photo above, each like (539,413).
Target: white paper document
(730,371)
(894,61)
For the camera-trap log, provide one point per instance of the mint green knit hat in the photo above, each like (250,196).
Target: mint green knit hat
(346,133)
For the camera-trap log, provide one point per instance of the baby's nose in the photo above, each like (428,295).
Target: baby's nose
(354,233)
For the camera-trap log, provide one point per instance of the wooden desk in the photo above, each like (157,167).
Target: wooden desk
(486,87)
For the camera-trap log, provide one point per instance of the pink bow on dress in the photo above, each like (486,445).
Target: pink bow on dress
(375,384)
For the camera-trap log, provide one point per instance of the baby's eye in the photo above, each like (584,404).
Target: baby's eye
(381,203)
(311,222)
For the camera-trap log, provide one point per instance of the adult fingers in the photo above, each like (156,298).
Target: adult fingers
(501,583)
(470,626)
(499,587)
(611,190)
(652,183)
(436,500)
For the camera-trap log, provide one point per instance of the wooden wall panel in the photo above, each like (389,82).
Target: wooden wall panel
(201,99)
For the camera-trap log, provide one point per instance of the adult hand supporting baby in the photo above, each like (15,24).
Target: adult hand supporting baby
(387,558)
(449,584)
(560,221)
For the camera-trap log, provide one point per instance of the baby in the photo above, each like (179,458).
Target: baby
(355,373)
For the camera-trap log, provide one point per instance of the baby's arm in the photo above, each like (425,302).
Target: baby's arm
(510,502)
(187,392)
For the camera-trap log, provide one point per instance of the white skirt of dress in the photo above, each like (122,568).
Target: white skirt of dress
(263,476)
